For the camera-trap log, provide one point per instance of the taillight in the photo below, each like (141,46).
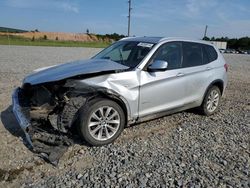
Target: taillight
(226,67)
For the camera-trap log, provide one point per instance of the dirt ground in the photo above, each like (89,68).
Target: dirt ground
(57,36)
(19,166)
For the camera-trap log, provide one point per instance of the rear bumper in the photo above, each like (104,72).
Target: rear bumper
(21,116)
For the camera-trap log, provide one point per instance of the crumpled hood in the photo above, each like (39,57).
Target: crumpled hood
(67,70)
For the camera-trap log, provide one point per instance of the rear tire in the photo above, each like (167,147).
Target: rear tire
(101,121)
(211,101)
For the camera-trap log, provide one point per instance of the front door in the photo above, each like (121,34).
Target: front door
(163,90)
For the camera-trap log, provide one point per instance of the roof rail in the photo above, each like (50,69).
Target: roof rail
(126,38)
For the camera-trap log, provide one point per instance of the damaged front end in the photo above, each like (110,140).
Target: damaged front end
(50,100)
(46,113)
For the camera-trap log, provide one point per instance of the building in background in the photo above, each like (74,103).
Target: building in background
(220,44)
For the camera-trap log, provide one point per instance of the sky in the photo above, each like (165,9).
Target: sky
(170,18)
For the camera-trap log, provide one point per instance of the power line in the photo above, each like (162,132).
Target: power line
(129,16)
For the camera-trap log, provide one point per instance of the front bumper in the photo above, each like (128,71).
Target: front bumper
(51,144)
(21,114)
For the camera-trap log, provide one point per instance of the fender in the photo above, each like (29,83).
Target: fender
(91,92)
(218,83)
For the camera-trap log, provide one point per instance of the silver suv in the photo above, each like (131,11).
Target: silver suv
(133,80)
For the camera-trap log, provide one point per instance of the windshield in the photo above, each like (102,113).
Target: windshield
(128,53)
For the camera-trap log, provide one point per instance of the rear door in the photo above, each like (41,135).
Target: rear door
(160,91)
(195,70)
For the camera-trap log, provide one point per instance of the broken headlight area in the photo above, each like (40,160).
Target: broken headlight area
(51,110)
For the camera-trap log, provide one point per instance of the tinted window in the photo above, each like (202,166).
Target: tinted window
(192,54)
(205,55)
(170,52)
(210,52)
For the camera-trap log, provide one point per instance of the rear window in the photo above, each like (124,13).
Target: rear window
(209,53)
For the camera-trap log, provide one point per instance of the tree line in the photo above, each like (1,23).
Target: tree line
(113,36)
(242,43)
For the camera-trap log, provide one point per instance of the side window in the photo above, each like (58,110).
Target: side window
(205,55)
(192,54)
(210,52)
(170,52)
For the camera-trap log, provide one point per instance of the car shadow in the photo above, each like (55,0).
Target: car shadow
(10,123)
(195,111)
(53,153)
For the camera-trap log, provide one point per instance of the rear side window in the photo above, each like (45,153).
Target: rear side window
(192,54)
(209,54)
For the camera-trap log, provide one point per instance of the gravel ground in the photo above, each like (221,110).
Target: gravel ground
(180,150)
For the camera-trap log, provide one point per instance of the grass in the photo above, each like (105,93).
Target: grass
(20,41)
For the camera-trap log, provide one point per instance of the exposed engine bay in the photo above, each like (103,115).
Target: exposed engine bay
(52,110)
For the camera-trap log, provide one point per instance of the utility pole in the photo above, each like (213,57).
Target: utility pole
(129,16)
(205,34)
(8,37)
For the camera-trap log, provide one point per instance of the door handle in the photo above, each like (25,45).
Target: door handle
(208,68)
(180,74)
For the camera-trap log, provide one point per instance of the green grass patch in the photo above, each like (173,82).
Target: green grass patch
(21,41)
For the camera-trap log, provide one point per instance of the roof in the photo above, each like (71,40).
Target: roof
(160,39)
(143,39)
(185,40)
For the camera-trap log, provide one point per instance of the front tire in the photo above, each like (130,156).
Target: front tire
(101,122)
(211,101)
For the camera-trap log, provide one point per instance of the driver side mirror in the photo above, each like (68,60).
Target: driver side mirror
(158,65)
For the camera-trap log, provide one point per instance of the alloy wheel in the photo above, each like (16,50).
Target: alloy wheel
(213,101)
(104,123)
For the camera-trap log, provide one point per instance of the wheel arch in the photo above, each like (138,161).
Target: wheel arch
(121,103)
(107,94)
(92,92)
(219,83)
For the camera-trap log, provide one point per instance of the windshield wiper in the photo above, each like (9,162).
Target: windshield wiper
(121,58)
